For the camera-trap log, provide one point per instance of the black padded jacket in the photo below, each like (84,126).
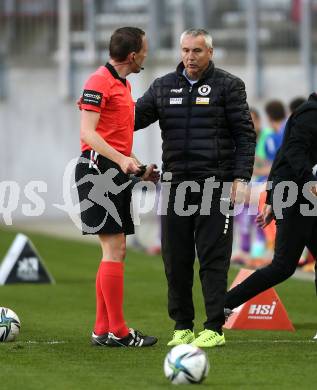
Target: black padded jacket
(206,128)
(296,160)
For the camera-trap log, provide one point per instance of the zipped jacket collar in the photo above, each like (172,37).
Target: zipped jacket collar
(208,72)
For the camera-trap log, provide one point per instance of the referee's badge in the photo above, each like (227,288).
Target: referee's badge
(204,90)
(92,97)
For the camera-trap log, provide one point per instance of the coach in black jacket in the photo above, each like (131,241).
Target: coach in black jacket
(294,168)
(207,132)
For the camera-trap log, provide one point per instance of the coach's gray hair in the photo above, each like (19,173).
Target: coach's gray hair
(195,32)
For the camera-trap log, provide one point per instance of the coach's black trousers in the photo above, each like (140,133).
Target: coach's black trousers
(293,233)
(211,235)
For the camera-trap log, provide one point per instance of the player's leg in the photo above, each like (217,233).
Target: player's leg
(178,252)
(92,218)
(111,278)
(290,242)
(109,289)
(213,236)
(101,328)
(112,235)
(312,246)
(112,285)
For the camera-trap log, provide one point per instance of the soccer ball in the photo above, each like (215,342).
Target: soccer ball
(186,364)
(9,324)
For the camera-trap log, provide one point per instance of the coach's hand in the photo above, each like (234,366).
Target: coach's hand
(314,190)
(238,191)
(265,217)
(151,174)
(129,165)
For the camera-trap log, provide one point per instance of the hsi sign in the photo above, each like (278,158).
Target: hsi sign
(261,311)
(265,311)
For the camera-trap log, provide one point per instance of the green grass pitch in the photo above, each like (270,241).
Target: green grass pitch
(53,350)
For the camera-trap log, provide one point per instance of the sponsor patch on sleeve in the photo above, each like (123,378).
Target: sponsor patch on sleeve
(92,97)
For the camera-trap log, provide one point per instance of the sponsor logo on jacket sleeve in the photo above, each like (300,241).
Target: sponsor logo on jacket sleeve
(92,97)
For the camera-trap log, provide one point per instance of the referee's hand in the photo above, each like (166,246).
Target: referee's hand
(151,174)
(314,190)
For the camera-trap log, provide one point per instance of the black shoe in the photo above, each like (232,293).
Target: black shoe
(99,340)
(134,339)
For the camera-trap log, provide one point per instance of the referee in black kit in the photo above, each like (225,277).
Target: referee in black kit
(297,226)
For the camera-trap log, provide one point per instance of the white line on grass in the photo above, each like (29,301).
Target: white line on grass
(231,341)
(274,341)
(44,342)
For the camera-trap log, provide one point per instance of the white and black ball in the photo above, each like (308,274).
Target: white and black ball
(186,364)
(9,325)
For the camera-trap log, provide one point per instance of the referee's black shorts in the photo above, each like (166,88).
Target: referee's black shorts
(104,195)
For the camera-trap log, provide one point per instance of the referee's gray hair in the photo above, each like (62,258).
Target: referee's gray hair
(195,32)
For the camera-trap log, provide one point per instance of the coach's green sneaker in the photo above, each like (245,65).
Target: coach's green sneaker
(185,336)
(209,339)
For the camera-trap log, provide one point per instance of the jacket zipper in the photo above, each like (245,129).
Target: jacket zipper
(186,129)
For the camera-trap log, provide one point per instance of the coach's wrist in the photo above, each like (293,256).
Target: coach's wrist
(241,180)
